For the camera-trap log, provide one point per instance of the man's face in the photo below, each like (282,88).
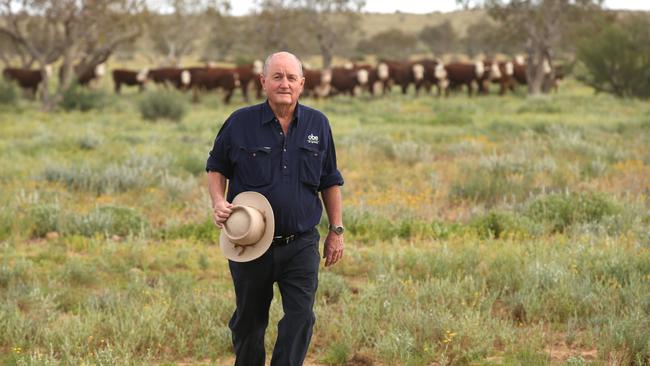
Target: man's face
(282,81)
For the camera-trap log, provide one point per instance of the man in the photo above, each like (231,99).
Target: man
(285,151)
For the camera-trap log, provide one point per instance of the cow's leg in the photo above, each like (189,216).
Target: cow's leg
(117,87)
(226,98)
(244,91)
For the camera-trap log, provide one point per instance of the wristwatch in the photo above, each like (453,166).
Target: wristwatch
(338,230)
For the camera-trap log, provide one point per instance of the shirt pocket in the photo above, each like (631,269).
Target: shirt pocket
(254,166)
(311,165)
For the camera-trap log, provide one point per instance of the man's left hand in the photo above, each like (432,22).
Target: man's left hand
(333,248)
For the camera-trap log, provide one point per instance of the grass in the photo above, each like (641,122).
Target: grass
(484,231)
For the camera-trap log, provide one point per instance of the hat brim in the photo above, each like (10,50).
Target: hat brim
(253,251)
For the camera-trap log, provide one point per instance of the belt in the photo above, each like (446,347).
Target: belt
(284,239)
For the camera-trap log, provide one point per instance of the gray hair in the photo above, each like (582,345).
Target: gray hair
(267,62)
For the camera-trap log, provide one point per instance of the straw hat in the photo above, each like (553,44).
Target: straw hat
(248,231)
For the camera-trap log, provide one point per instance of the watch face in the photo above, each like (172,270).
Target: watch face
(338,229)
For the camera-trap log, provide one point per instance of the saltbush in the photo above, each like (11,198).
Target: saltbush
(8,92)
(77,97)
(560,211)
(108,220)
(163,104)
(42,219)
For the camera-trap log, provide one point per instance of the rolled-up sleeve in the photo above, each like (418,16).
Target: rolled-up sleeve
(219,158)
(330,174)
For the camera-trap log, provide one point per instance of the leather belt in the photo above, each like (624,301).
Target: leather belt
(284,239)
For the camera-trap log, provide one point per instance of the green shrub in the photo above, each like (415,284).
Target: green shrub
(616,60)
(42,219)
(108,220)
(205,232)
(82,98)
(167,104)
(8,92)
(560,211)
(496,224)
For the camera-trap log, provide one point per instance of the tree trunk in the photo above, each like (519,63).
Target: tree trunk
(535,70)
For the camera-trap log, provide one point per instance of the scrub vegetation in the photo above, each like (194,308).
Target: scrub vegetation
(485,231)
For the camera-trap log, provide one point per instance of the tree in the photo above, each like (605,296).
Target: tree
(542,24)
(175,28)
(486,36)
(329,24)
(439,38)
(392,44)
(70,31)
(617,59)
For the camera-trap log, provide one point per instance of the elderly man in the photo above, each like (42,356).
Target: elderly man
(285,151)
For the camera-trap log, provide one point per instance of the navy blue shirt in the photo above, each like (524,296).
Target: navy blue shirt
(254,154)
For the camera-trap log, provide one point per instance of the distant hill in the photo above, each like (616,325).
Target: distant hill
(373,23)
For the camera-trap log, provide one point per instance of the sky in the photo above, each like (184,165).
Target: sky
(241,7)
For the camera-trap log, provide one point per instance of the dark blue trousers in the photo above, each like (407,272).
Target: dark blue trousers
(294,267)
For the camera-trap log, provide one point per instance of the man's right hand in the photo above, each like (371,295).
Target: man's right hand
(220,212)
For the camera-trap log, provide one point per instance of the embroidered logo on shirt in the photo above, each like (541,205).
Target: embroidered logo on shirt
(312,139)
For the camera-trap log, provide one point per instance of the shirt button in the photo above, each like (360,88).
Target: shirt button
(284,150)
(281,133)
(254,154)
(285,167)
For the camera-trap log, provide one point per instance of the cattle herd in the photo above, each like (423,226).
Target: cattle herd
(351,79)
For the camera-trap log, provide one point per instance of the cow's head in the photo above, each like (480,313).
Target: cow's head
(100,70)
(546,65)
(439,72)
(142,75)
(186,77)
(326,77)
(510,68)
(382,71)
(479,69)
(418,72)
(258,67)
(362,76)
(495,71)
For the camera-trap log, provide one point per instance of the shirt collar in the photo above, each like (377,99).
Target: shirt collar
(268,115)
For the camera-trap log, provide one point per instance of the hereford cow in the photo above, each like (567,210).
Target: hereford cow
(399,73)
(25,78)
(179,78)
(129,77)
(346,80)
(250,73)
(433,73)
(317,83)
(460,74)
(91,74)
(212,78)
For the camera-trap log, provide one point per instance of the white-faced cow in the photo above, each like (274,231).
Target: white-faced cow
(129,77)
(347,80)
(467,74)
(176,77)
(318,84)
(212,78)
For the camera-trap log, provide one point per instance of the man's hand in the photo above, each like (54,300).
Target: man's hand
(333,248)
(220,212)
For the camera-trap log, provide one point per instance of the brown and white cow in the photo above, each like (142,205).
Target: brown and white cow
(212,78)
(396,73)
(318,84)
(433,73)
(129,77)
(348,80)
(25,78)
(176,77)
(467,74)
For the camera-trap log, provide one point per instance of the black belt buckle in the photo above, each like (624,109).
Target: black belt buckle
(283,240)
